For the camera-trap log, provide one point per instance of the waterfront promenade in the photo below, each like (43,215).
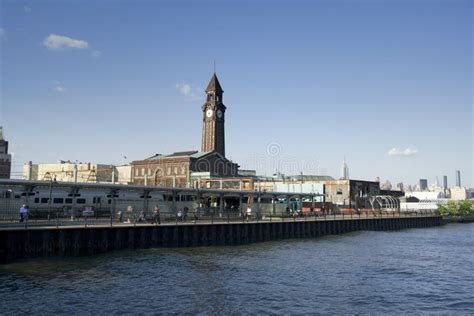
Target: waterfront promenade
(171,220)
(88,238)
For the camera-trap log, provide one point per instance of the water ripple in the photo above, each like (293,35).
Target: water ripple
(412,271)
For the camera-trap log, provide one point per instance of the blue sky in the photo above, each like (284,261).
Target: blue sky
(385,84)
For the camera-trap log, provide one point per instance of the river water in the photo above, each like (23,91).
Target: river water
(410,271)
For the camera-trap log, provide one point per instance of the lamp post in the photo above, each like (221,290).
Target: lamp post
(50,196)
(51,180)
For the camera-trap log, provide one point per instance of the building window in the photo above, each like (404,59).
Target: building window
(168,171)
(136,172)
(143,171)
(175,170)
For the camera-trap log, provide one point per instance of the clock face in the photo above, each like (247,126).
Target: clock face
(219,113)
(209,113)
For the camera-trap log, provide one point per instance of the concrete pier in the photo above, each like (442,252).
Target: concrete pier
(20,244)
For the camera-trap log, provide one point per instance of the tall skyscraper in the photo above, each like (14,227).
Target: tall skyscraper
(458,178)
(400,186)
(445,182)
(344,170)
(5,157)
(423,184)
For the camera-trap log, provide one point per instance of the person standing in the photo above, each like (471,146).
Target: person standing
(23,213)
(156,215)
(249,213)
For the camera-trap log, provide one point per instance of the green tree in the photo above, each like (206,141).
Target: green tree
(452,207)
(465,207)
(443,210)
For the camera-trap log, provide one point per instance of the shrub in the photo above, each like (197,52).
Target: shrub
(460,208)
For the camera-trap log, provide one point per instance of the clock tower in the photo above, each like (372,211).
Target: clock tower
(213,138)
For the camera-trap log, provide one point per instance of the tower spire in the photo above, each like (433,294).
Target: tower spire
(214,85)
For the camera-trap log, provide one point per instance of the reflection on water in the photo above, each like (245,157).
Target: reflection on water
(419,270)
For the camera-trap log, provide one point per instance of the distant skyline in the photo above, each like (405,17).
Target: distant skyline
(385,84)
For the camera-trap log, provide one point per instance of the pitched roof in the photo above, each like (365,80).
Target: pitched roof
(200,154)
(155,157)
(191,154)
(214,84)
(310,177)
(182,153)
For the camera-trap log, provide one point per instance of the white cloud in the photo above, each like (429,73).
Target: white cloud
(184,88)
(402,152)
(56,42)
(3,34)
(58,87)
(96,53)
(190,91)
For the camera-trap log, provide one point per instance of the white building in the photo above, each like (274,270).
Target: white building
(67,171)
(123,174)
(426,195)
(387,185)
(344,170)
(458,193)
(426,201)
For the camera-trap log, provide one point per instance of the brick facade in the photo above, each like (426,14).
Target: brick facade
(5,160)
(175,170)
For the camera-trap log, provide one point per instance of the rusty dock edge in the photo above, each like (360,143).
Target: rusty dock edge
(22,244)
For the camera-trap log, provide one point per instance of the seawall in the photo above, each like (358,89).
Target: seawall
(21,244)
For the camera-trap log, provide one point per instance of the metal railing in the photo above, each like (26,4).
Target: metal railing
(197,217)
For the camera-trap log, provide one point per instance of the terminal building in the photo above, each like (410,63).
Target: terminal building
(188,168)
(5,157)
